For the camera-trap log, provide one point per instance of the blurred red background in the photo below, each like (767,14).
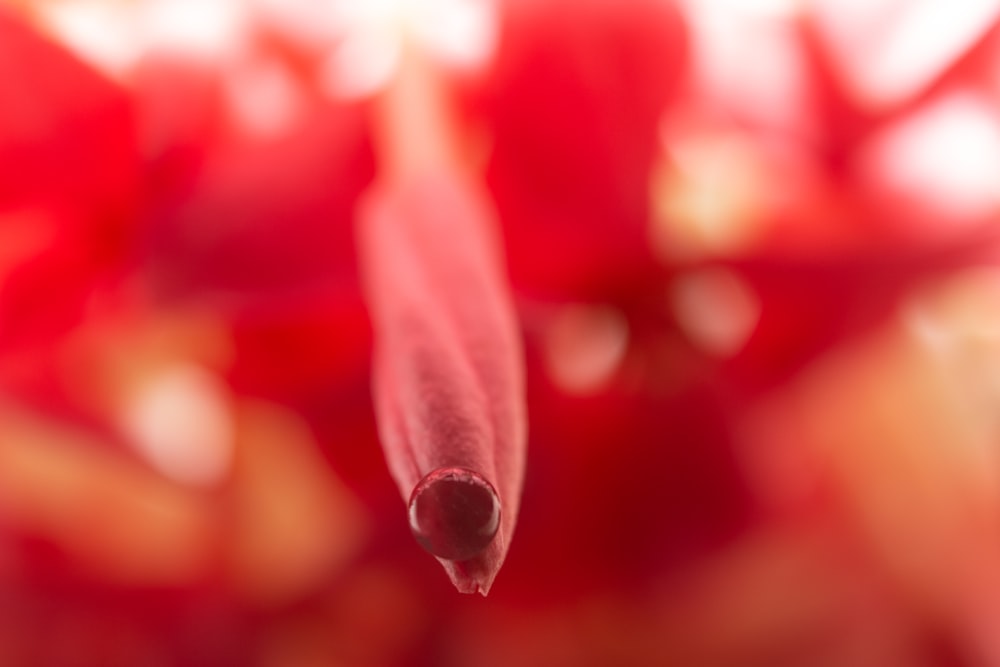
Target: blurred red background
(754,251)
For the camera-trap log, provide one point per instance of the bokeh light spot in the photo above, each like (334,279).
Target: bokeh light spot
(585,345)
(179,420)
(716,308)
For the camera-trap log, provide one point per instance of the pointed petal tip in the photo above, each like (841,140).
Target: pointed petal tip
(472,576)
(471,584)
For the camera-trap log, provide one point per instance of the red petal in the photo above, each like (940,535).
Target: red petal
(67,183)
(573,105)
(448,370)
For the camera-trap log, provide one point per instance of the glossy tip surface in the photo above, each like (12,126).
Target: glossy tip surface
(454,513)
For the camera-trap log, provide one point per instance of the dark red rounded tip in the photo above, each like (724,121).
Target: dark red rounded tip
(454,513)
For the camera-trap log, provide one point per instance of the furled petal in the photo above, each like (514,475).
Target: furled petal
(448,378)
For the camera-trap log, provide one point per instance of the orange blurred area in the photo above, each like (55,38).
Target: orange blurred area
(754,250)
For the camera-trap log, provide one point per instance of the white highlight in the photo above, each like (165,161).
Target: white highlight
(891,50)
(101,33)
(212,30)
(746,8)
(753,66)
(360,65)
(458,34)
(113,36)
(360,40)
(363,40)
(180,422)
(310,22)
(946,156)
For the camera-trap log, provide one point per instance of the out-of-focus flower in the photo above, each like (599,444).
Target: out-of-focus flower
(752,248)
